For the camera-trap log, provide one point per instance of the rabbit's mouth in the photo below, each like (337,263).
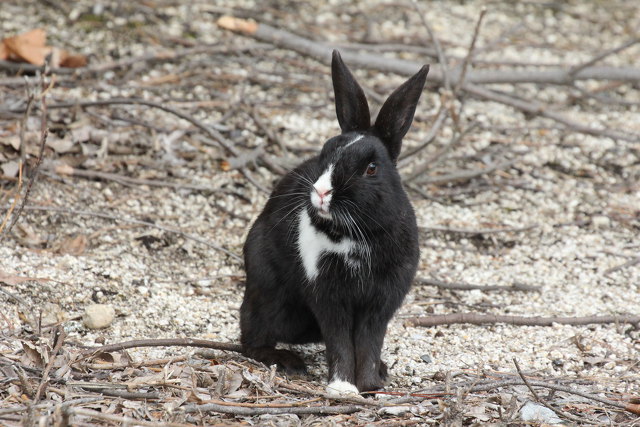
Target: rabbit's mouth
(324,214)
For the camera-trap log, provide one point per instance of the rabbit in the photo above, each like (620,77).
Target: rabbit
(333,254)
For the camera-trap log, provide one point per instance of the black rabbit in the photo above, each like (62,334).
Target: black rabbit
(333,253)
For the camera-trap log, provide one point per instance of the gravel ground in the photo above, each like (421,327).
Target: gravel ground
(580,193)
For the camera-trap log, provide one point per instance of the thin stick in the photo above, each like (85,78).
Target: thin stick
(245,411)
(577,68)
(431,135)
(135,221)
(468,287)
(481,319)
(217,136)
(468,57)
(540,401)
(23,127)
(533,392)
(164,342)
(44,132)
(460,176)
(60,336)
(559,76)
(436,43)
(16,197)
(630,263)
(263,405)
(119,420)
(431,161)
(479,231)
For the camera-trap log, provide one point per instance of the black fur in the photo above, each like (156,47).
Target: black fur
(347,308)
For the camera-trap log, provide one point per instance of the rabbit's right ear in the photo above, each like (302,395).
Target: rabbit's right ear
(351,105)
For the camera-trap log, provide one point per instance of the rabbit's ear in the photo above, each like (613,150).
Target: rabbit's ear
(351,105)
(396,115)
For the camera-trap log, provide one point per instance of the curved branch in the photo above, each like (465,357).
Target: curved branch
(481,319)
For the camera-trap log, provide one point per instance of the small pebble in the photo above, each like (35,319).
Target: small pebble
(98,316)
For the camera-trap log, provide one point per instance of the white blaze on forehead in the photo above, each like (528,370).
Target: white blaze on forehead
(355,139)
(312,243)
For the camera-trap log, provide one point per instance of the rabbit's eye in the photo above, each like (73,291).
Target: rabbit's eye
(372,169)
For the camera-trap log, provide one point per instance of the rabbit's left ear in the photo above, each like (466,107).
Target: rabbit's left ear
(352,108)
(395,116)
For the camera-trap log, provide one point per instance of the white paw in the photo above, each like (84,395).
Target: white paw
(338,388)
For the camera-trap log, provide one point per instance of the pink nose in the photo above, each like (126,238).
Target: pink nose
(322,193)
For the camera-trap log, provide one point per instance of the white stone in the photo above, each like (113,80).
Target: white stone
(98,316)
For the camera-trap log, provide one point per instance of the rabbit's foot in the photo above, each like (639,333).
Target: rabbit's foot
(339,388)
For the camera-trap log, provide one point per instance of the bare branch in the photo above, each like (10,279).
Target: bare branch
(481,319)
(168,342)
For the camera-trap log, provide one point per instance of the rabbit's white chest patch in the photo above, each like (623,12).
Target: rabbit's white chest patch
(313,243)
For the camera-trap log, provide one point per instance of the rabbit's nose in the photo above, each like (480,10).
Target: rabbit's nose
(322,193)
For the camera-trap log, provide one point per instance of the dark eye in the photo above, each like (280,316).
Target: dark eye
(372,169)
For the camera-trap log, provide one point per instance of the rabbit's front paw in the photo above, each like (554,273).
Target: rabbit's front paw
(338,388)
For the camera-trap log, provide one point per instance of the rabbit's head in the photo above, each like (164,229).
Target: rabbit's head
(355,176)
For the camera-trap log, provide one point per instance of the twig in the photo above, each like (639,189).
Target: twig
(135,221)
(521,287)
(536,108)
(164,342)
(130,395)
(533,392)
(263,405)
(245,411)
(23,127)
(630,263)
(481,319)
(436,43)
(479,231)
(113,366)
(542,402)
(432,160)
(217,136)
(59,337)
(44,132)
(127,180)
(16,197)
(322,52)
(577,68)
(463,175)
(431,135)
(119,420)
(469,56)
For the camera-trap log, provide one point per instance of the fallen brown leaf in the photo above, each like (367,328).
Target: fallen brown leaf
(72,245)
(31,47)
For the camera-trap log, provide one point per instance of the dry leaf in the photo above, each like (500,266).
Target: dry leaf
(34,356)
(64,169)
(4,52)
(237,24)
(60,145)
(73,245)
(73,61)
(32,47)
(10,168)
(12,280)
(13,141)
(29,47)
(27,237)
